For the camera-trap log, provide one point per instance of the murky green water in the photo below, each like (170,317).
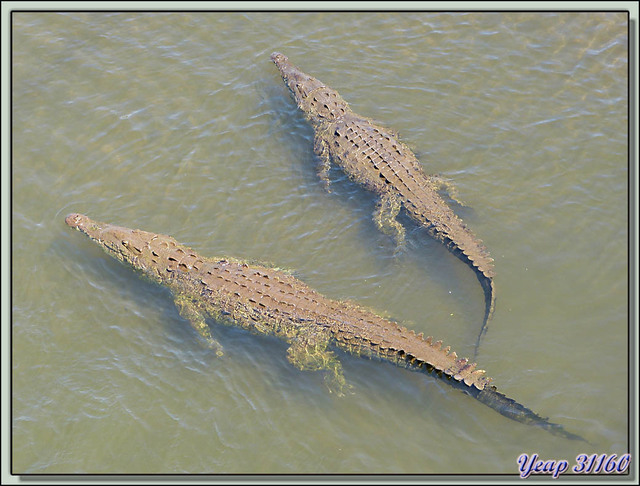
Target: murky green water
(180,124)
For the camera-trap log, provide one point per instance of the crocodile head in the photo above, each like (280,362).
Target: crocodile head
(127,245)
(318,102)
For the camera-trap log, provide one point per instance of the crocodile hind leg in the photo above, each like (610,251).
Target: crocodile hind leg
(322,151)
(190,312)
(308,352)
(387,209)
(448,187)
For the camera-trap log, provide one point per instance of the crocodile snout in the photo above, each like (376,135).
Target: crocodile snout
(75,220)
(278,57)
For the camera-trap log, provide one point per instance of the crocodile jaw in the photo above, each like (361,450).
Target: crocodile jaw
(118,241)
(299,83)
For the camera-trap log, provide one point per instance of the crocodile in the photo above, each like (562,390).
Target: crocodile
(266,300)
(372,156)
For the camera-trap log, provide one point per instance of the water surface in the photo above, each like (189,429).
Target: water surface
(180,124)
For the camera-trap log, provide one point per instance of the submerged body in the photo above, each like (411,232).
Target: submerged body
(374,157)
(269,301)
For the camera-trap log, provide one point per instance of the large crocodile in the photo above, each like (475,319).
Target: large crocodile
(266,300)
(374,157)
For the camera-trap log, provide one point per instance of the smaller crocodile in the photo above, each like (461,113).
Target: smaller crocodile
(267,300)
(373,156)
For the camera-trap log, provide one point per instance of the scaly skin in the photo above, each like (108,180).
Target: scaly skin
(267,300)
(372,156)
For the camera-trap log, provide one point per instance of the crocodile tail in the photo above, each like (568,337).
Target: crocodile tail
(461,374)
(511,409)
(463,244)
(489,288)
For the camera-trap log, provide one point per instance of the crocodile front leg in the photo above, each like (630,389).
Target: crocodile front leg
(308,352)
(387,209)
(321,149)
(190,312)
